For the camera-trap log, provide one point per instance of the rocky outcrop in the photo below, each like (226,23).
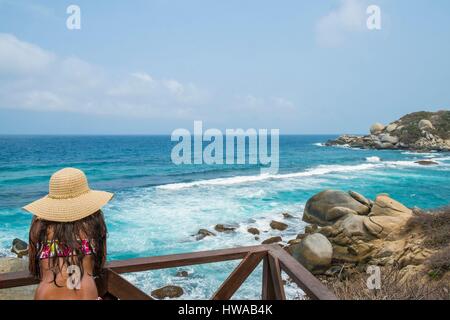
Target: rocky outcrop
(354,231)
(379,234)
(421,131)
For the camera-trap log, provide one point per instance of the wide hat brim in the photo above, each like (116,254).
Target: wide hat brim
(69,210)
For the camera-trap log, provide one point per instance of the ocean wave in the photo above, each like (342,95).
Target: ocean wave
(372,163)
(319,144)
(319,170)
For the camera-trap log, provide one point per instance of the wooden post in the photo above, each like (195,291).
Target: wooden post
(268,291)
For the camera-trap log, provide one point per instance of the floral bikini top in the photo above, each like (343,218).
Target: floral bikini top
(53,248)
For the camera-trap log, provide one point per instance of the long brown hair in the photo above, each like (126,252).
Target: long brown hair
(68,234)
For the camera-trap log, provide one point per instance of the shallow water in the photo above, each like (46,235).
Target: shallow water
(159,206)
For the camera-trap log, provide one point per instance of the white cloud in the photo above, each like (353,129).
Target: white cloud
(32,78)
(348,17)
(142,76)
(38,80)
(21,57)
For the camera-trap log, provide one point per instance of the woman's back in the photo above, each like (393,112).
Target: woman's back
(62,288)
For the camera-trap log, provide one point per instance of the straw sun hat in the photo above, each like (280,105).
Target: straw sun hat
(69,199)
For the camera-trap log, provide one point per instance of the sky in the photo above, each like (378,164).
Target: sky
(149,67)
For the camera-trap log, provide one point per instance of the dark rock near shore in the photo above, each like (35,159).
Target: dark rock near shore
(427,162)
(182,274)
(19,247)
(277,225)
(169,291)
(272,240)
(225,227)
(202,233)
(287,215)
(421,131)
(253,231)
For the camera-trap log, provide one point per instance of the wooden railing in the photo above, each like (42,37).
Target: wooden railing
(275,259)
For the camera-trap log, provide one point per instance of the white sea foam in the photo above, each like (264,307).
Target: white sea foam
(319,144)
(373,159)
(319,170)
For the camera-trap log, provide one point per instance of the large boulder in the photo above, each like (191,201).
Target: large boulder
(314,252)
(392,127)
(387,216)
(386,206)
(376,128)
(425,125)
(327,206)
(387,138)
(353,226)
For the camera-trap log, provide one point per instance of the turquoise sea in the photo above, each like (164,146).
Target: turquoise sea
(159,206)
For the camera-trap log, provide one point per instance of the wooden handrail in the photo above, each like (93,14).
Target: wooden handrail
(301,276)
(275,259)
(182,259)
(238,276)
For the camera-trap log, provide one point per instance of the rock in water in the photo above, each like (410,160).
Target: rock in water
(253,231)
(169,291)
(182,273)
(225,227)
(272,240)
(287,215)
(314,252)
(19,247)
(204,233)
(427,162)
(327,206)
(278,225)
